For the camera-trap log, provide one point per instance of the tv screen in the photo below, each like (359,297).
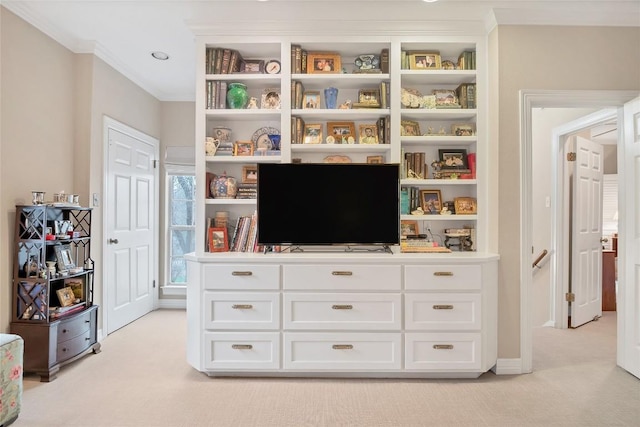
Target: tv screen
(328,204)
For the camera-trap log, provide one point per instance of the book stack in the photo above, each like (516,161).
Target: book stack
(415,166)
(467,60)
(222,60)
(467,95)
(216,95)
(297,130)
(421,246)
(57,312)
(247,191)
(245,235)
(298,60)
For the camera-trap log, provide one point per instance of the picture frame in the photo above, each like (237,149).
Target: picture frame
(431,201)
(446,98)
(243,148)
(311,100)
(463,129)
(252,66)
(368,134)
(249,174)
(453,159)
(369,98)
(425,61)
(409,128)
(64,258)
(409,228)
(313,133)
(375,159)
(66,296)
(270,99)
(323,63)
(218,239)
(341,132)
(465,205)
(76,285)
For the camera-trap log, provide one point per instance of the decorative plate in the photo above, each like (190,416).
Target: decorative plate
(261,139)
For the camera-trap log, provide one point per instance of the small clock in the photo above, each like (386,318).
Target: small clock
(272,67)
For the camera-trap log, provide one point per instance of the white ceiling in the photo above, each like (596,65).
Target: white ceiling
(124,33)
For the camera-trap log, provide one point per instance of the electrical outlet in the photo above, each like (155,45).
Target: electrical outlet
(427,226)
(95,200)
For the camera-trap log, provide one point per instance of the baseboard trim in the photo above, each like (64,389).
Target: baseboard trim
(508,367)
(172,303)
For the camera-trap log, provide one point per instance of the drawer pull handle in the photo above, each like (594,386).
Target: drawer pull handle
(443,273)
(342,347)
(342,273)
(241,273)
(443,307)
(242,346)
(241,306)
(443,346)
(342,307)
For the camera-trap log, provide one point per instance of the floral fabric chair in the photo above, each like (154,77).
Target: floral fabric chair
(11,351)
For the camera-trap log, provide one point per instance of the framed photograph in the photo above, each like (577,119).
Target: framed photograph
(243,148)
(270,99)
(446,98)
(375,159)
(408,228)
(368,98)
(218,240)
(424,61)
(250,174)
(323,62)
(342,132)
(252,66)
(431,201)
(463,129)
(409,128)
(313,133)
(311,100)
(77,287)
(453,159)
(368,134)
(66,296)
(465,206)
(64,258)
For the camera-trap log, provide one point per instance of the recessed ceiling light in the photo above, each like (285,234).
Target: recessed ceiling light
(160,55)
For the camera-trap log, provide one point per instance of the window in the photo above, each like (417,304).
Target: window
(180,224)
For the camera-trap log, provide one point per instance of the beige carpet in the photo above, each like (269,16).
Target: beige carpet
(141,378)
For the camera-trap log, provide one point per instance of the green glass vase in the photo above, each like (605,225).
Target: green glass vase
(237,96)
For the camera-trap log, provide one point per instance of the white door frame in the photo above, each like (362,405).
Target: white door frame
(530,99)
(560,219)
(110,123)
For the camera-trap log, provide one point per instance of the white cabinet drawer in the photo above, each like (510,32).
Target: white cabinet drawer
(443,277)
(237,310)
(241,277)
(342,351)
(443,311)
(342,277)
(342,311)
(230,350)
(445,351)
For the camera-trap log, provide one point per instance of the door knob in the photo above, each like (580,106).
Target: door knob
(113,241)
(604,240)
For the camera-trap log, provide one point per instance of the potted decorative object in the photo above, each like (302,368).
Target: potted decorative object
(237,96)
(224,187)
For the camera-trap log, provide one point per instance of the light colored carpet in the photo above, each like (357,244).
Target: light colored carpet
(141,378)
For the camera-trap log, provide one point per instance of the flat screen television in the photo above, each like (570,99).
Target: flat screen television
(328,204)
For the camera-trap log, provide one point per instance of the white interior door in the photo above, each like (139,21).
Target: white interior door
(586,251)
(131,225)
(629,243)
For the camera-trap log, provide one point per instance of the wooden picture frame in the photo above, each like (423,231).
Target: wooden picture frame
(270,99)
(313,133)
(311,99)
(64,258)
(218,239)
(376,160)
(409,228)
(250,174)
(368,134)
(446,98)
(453,159)
(76,285)
(341,132)
(409,128)
(425,61)
(243,148)
(323,63)
(431,201)
(463,129)
(66,296)
(252,66)
(465,205)
(368,98)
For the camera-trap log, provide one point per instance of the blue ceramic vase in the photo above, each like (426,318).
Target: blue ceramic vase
(330,97)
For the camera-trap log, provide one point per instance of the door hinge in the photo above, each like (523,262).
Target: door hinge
(155,164)
(154,284)
(570,297)
(571,157)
